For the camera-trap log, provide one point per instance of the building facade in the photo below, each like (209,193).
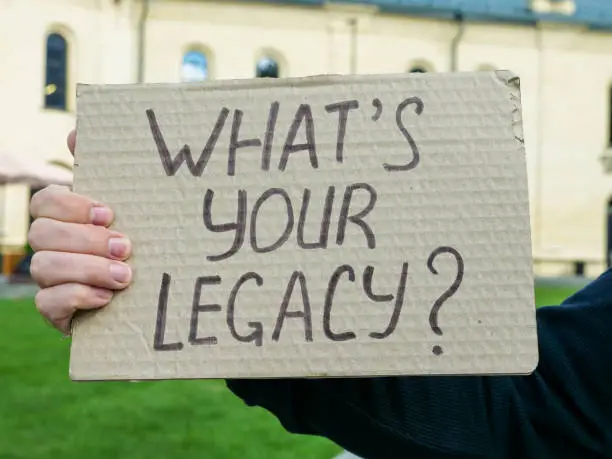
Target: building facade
(561,49)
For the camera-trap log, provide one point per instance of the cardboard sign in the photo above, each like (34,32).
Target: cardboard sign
(325,226)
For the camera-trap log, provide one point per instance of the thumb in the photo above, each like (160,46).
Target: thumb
(71,141)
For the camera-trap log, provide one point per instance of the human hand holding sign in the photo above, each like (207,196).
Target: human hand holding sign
(78,261)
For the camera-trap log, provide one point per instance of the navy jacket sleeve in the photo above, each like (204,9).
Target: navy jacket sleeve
(563,410)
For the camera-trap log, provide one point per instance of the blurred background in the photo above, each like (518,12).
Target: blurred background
(559,48)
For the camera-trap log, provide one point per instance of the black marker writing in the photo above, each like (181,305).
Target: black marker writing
(256,335)
(280,206)
(378,106)
(413,146)
(236,143)
(269,136)
(343,109)
(304,314)
(357,219)
(325,220)
(433,315)
(172,165)
(288,225)
(329,298)
(197,308)
(160,323)
(342,276)
(368,276)
(303,115)
(284,210)
(238,226)
(302,120)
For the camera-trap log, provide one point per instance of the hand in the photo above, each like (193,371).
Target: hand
(78,262)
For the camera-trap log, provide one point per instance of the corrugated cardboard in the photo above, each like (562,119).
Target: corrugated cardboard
(311,227)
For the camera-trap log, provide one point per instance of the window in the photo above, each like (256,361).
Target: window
(195,66)
(420,66)
(267,68)
(56,70)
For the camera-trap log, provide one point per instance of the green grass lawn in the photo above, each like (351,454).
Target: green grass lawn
(551,296)
(43,415)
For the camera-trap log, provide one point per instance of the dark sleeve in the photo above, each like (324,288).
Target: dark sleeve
(562,410)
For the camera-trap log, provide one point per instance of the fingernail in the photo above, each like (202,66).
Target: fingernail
(120,272)
(118,247)
(100,215)
(104,294)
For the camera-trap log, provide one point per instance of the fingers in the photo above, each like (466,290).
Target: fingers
(78,261)
(61,204)
(52,235)
(50,269)
(71,141)
(59,303)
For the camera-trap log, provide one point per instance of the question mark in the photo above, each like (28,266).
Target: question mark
(433,315)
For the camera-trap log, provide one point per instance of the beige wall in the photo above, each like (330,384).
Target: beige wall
(13,200)
(565,75)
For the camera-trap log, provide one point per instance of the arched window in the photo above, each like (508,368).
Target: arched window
(195,66)
(418,69)
(56,71)
(267,68)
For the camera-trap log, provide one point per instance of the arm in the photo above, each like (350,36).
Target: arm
(562,410)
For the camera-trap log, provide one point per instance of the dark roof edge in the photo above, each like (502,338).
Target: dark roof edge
(520,17)
(524,17)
